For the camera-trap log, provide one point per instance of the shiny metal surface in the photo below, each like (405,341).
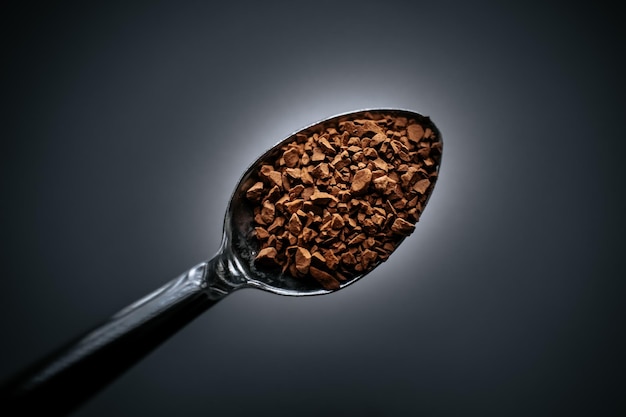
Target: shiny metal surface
(60,383)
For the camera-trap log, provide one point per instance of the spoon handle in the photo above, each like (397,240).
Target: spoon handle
(62,381)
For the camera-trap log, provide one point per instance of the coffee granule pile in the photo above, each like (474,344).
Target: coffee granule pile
(334,204)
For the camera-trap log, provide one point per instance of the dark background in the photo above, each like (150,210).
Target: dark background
(125,128)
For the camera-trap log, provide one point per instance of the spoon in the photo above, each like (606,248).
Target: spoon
(59,383)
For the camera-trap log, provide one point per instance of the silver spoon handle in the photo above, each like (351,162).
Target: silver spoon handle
(65,379)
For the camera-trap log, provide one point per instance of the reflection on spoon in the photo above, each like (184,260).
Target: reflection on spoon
(363,179)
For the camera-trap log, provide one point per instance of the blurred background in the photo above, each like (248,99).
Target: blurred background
(126,126)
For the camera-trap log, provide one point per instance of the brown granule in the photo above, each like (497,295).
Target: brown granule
(334,204)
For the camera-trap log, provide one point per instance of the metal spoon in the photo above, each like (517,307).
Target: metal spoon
(62,381)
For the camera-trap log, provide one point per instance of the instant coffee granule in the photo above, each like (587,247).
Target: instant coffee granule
(334,204)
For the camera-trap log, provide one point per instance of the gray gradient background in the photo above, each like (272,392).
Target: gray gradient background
(126,128)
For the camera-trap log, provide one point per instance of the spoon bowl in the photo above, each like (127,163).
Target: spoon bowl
(235,267)
(59,383)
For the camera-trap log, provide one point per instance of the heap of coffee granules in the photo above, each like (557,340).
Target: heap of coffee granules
(336,203)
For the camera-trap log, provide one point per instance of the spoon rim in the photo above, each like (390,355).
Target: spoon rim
(243,269)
